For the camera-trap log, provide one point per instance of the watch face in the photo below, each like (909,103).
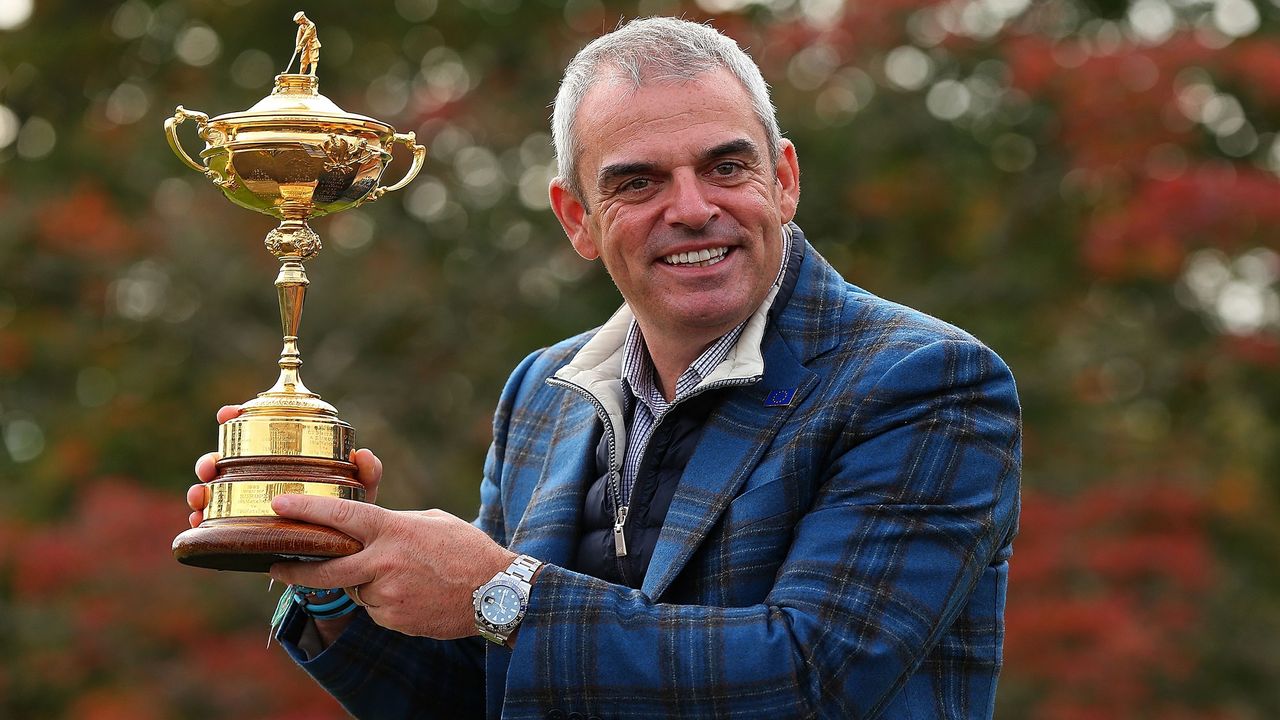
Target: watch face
(500,605)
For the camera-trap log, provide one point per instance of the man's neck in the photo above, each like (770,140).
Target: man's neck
(672,356)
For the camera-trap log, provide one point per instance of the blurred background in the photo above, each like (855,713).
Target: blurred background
(1090,186)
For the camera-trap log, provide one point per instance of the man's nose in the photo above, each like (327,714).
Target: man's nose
(689,205)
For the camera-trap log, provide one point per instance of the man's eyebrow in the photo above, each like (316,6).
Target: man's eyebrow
(740,146)
(610,173)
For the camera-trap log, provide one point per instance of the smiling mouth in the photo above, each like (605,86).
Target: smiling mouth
(697,258)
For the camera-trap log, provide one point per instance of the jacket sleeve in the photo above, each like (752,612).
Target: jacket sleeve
(378,673)
(917,497)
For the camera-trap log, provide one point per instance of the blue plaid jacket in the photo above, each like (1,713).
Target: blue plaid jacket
(842,555)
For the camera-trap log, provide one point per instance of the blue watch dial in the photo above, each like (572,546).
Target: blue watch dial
(500,605)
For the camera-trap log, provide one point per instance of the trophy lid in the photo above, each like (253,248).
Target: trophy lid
(295,96)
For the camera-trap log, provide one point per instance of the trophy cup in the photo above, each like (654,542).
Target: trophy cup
(294,155)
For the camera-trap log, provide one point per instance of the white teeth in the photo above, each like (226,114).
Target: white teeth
(698,258)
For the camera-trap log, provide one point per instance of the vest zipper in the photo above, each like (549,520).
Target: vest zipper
(619,537)
(615,471)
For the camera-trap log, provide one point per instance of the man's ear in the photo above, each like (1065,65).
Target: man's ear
(572,215)
(788,180)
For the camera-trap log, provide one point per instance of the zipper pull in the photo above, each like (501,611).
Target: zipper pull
(620,540)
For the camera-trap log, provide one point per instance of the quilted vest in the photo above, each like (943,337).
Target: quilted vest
(669,450)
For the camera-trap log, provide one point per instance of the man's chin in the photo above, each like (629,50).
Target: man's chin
(703,320)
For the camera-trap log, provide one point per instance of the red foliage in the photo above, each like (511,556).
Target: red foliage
(86,223)
(1031,64)
(1113,110)
(918,184)
(126,630)
(135,703)
(1216,206)
(75,456)
(10,531)
(1253,66)
(15,352)
(1109,110)
(1105,591)
(879,24)
(1255,349)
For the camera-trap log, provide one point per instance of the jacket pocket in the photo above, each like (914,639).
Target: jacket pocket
(762,504)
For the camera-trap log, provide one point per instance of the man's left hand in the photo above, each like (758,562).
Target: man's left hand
(416,572)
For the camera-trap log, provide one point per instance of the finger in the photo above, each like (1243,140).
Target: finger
(361,521)
(198,496)
(206,466)
(368,472)
(196,518)
(340,572)
(226,412)
(353,592)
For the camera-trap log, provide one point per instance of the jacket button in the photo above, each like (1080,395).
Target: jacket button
(592,717)
(576,716)
(555,714)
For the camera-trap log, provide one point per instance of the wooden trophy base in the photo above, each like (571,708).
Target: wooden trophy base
(241,533)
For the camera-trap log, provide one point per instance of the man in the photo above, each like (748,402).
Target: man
(756,491)
(306,45)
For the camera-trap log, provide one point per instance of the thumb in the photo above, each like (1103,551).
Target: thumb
(368,472)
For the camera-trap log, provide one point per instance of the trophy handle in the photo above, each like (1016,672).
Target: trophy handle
(409,140)
(180,115)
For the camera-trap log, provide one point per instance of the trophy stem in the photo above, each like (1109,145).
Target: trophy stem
(293,243)
(291,287)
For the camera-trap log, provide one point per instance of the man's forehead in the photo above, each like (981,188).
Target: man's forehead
(618,115)
(615,88)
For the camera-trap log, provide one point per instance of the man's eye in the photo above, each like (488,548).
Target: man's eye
(725,169)
(636,184)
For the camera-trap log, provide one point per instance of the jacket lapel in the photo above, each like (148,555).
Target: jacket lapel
(740,431)
(736,437)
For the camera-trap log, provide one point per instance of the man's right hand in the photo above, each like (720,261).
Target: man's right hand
(368,472)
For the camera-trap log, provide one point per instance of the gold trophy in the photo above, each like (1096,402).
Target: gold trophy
(294,155)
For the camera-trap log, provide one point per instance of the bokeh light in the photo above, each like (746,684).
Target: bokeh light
(15,13)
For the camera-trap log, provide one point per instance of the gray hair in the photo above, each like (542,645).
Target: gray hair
(652,49)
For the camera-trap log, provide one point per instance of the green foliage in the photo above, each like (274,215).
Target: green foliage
(1089,187)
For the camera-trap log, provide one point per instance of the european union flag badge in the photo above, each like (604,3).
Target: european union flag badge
(779,398)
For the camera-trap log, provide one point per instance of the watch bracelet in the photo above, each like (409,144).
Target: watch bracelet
(524,568)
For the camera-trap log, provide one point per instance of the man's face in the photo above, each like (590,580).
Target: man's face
(686,207)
